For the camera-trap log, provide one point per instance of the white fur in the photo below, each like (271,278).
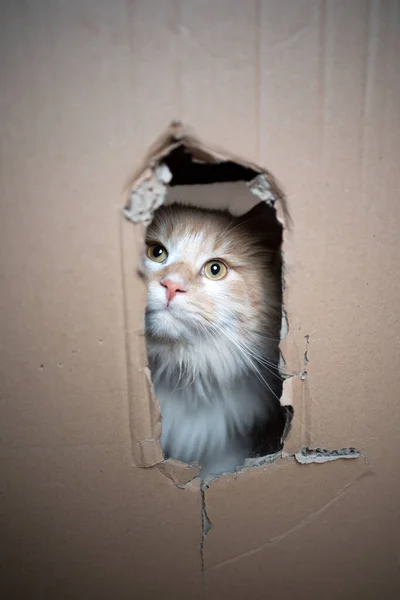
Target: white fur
(209,399)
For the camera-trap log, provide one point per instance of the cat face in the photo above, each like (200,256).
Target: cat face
(206,276)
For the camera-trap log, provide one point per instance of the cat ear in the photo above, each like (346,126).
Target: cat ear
(257,211)
(262,212)
(262,221)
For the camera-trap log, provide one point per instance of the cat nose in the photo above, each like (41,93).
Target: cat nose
(172,288)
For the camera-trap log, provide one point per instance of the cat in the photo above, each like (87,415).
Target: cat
(212,324)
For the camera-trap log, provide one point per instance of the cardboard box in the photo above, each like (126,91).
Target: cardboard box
(308,89)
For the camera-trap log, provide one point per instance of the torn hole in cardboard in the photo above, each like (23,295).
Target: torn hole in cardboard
(180,162)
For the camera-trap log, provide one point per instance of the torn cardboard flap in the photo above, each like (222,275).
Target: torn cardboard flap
(147,453)
(178,472)
(261,188)
(148,194)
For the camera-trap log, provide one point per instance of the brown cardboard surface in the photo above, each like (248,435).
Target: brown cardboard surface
(311,91)
(283,496)
(83,523)
(337,151)
(341,552)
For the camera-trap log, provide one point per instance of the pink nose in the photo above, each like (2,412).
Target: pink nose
(172,288)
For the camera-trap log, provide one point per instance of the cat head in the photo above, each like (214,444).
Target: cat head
(209,275)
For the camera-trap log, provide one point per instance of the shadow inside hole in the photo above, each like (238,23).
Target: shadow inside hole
(188,171)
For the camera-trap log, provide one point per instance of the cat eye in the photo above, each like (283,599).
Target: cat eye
(215,269)
(157,253)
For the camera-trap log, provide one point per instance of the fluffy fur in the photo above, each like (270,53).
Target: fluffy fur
(213,348)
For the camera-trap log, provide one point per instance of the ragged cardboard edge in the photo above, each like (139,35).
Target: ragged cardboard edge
(148,195)
(153,176)
(323,455)
(250,463)
(144,413)
(261,187)
(147,452)
(260,461)
(295,436)
(206,526)
(155,411)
